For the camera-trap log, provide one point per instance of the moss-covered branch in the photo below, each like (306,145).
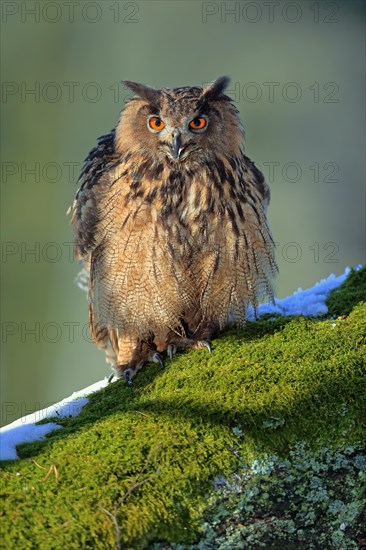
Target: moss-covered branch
(277,386)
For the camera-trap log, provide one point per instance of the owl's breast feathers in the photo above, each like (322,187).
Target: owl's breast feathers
(163,238)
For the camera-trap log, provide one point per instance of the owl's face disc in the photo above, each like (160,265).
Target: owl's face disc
(181,125)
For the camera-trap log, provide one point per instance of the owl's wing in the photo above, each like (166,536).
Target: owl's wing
(259,181)
(97,164)
(250,244)
(100,158)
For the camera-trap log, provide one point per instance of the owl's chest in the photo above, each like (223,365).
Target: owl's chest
(191,206)
(181,207)
(196,221)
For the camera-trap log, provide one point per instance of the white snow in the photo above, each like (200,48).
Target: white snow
(25,429)
(305,302)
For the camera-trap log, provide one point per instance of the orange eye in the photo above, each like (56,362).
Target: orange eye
(198,123)
(156,124)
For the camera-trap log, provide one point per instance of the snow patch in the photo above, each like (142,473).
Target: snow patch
(310,302)
(25,429)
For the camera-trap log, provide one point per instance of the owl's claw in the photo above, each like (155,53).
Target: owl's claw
(129,370)
(157,358)
(126,374)
(171,351)
(177,342)
(206,344)
(147,351)
(110,378)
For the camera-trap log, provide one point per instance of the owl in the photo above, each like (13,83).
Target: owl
(170,224)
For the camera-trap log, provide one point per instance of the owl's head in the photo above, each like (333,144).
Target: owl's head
(180,124)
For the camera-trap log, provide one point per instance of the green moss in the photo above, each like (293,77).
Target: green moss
(342,299)
(264,389)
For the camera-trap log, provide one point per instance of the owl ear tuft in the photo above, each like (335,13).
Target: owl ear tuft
(141,90)
(216,89)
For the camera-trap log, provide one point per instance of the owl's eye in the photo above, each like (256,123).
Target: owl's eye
(198,123)
(155,123)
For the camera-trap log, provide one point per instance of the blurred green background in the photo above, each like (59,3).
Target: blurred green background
(297,72)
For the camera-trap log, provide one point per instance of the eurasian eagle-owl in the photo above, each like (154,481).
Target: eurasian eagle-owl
(170,221)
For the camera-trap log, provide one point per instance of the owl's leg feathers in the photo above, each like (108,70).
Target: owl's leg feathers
(209,331)
(144,352)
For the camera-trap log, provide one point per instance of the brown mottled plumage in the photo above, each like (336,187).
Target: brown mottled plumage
(170,220)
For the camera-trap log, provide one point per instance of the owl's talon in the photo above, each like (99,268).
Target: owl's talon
(110,378)
(177,342)
(171,351)
(157,358)
(207,344)
(128,379)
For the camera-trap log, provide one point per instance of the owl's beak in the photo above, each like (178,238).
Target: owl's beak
(177,147)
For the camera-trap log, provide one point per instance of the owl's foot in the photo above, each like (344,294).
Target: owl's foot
(199,340)
(186,343)
(130,369)
(144,352)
